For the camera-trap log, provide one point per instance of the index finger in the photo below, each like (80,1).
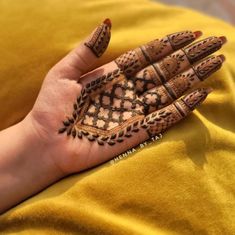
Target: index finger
(134,60)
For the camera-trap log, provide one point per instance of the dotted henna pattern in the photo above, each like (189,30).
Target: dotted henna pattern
(100,38)
(202,48)
(171,65)
(160,96)
(208,67)
(133,61)
(181,39)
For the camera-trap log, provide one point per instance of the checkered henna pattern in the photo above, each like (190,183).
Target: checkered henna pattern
(108,110)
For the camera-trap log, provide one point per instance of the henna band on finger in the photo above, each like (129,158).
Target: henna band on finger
(134,60)
(163,95)
(180,60)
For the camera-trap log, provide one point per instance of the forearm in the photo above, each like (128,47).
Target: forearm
(24,167)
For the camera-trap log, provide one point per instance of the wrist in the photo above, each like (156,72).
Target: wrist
(37,148)
(25,165)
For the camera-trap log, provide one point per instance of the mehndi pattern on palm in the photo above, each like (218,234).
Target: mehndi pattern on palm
(142,92)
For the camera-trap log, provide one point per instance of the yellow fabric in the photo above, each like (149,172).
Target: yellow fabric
(181,184)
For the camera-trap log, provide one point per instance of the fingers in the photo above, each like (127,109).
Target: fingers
(80,59)
(157,122)
(163,95)
(133,61)
(160,72)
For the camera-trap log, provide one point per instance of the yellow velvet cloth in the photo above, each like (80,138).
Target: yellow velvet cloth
(182,184)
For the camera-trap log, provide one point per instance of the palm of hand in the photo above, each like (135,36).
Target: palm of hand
(134,98)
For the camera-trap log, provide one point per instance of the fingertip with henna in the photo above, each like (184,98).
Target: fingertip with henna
(222,57)
(197,34)
(223,39)
(108,22)
(196,97)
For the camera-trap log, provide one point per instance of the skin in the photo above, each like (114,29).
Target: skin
(33,154)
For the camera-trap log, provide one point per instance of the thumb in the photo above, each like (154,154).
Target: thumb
(81,58)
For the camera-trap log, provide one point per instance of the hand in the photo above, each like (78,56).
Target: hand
(82,118)
(85,119)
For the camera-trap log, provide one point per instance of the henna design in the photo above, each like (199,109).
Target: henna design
(146,79)
(110,100)
(103,104)
(158,121)
(133,61)
(196,97)
(203,48)
(100,38)
(171,65)
(160,72)
(155,99)
(175,87)
(208,67)
(178,61)
(181,83)
(154,123)
(181,39)
(109,110)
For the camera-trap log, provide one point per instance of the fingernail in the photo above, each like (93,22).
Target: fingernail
(223,39)
(108,22)
(222,57)
(208,90)
(197,34)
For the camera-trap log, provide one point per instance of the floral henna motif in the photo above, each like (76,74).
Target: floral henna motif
(146,79)
(100,38)
(155,99)
(96,125)
(106,111)
(109,109)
